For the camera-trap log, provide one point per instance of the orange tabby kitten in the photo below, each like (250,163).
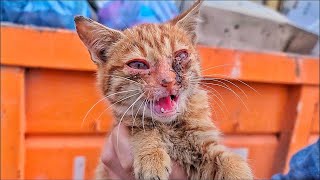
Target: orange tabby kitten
(151,70)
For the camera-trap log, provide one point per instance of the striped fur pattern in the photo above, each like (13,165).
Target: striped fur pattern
(187,136)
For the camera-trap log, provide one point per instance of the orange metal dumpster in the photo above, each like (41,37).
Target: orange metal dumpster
(48,85)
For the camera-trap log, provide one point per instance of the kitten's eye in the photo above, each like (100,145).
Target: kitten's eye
(138,64)
(181,55)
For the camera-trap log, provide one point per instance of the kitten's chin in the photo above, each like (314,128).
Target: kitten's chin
(165,117)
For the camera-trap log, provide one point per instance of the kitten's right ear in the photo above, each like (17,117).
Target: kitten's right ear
(96,37)
(188,20)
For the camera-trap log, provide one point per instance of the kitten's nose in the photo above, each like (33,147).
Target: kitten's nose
(165,76)
(167,83)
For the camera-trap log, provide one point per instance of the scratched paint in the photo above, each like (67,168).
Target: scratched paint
(236,69)
(299,106)
(79,164)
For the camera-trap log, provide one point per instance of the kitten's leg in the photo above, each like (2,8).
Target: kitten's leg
(221,163)
(228,164)
(151,160)
(218,161)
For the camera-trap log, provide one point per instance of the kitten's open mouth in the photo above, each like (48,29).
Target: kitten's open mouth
(165,106)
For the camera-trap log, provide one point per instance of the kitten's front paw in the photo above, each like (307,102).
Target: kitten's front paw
(152,173)
(154,166)
(232,166)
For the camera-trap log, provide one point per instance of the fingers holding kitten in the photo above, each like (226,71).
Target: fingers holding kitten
(118,165)
(178,173)
(120,140)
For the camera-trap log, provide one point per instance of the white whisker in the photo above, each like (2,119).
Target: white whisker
(222,75)
(137,113)
(223,111)
(230,90)
(151,109)
(116,103)
(102,100)
(217,98)
(124,115)
(220,79)
(213,67)
(144,108)
(125,79)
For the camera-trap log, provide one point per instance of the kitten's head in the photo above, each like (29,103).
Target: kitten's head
(147,69)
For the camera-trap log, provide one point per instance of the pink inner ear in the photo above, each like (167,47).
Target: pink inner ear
(96,37)
(188,20)
(102,55)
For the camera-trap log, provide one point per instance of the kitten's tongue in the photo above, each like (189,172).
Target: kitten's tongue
(164,105)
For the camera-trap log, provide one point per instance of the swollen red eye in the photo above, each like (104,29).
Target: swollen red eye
(138,65)
(181,55)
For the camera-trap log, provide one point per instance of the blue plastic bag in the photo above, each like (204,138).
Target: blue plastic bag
(47,13)
(126,13)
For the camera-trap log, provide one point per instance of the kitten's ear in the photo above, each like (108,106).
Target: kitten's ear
(188,20)
(96,37)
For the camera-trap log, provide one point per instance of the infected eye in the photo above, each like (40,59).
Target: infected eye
(181,55)
(138,65)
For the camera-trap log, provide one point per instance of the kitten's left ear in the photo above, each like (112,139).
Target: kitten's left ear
(97,38)
(188,20)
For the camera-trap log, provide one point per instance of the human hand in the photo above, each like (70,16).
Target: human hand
(117,157)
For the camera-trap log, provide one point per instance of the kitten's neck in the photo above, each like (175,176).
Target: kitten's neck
(197,106)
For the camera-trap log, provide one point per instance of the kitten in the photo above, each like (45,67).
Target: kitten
(150,73)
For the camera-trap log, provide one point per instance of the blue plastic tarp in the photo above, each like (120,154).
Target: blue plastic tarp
(48,13)
(126,13)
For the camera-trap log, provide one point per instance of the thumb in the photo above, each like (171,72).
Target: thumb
(121,144)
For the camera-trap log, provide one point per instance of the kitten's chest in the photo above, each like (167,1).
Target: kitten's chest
(181,147)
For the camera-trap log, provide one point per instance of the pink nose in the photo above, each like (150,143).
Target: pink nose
(166,77)
(167,83)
